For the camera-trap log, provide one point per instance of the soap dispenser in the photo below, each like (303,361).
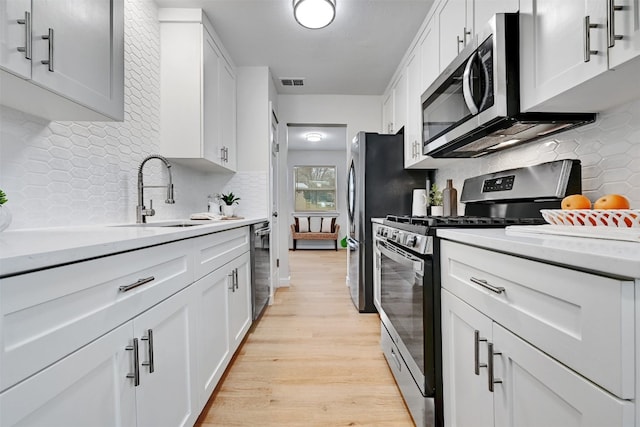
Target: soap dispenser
(450,199)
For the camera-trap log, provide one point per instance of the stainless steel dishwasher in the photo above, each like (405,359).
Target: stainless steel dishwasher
(260,267)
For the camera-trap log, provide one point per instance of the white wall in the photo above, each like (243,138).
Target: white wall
(318,158)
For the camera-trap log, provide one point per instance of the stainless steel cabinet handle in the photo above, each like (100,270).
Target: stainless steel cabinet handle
(466,33)
(611,34)
(486,285)
(476,351)
(235,279)
(149,338)
(140,282)
(587,39)
(49,60)
(135,375)
(490,355)
(232,287)
(27,35)
(459,42)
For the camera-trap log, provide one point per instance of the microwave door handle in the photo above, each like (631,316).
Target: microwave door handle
(466,86)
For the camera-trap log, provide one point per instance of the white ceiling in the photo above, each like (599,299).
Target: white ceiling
(356,55)
(334,138)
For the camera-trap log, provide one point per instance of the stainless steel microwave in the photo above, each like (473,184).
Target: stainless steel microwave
(473,108)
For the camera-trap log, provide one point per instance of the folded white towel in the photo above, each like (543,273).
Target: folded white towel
(206,215)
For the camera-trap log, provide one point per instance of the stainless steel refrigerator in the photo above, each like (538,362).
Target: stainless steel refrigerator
(377,185)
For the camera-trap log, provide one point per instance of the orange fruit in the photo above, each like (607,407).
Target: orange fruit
(612,201)
(575,201)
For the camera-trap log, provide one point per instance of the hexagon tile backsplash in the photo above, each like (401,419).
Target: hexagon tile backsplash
(608,149)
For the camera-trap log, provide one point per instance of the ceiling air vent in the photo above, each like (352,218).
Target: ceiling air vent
(290,81)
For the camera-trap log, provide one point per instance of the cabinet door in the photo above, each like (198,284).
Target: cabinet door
(413,128)
(240,300)
(451,24)
(626,23)
(400,102)
(167,395)
(212,330)
(553,44)
(84,50)
(14,35)
(467,401)
(87,388)
(387,113)
(228,114)
(211,148)
(537,390)
(429,56)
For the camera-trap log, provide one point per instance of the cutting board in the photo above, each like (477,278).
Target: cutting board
(607,233)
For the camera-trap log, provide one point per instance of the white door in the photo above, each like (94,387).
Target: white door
(465,335)
(274,194)
(83,49)
(387,113)
(537,390)
(430,58)
(87,388)
(212,330)
(167,395)
(626,23)
(240,313)
(15,16)
(451,24)
(211,70)
(413,129)
(228,114)
(554,48)
(400,102)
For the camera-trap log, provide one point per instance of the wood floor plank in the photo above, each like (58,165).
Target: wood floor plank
(312,360)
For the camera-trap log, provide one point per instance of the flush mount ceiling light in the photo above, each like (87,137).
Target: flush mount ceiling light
(314,14)
(313,137)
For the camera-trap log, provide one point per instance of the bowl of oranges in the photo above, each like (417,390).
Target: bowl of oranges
(612,210)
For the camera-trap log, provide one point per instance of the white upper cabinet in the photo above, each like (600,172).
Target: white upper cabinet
(63,60)
(15,37)
(624,27)
(483,11)
(429,56)
(566,61)
(387,112)
(198,93)
(454,32)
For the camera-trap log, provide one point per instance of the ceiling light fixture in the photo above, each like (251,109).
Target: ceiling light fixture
(313,137)
(314,14)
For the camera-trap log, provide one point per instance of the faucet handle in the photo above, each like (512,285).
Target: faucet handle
(151,211)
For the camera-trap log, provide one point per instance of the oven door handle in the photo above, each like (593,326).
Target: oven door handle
(400,256)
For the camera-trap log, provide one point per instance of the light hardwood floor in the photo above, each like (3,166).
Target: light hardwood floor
(312,360)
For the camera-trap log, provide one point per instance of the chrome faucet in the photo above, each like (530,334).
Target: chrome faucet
(141,211)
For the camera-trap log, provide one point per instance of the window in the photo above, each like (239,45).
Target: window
(315,188)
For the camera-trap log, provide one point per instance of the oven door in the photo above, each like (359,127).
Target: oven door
(402,303)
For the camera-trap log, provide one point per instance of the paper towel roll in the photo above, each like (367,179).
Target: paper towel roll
(419,205)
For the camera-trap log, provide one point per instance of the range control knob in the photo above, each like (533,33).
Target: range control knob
(411,241)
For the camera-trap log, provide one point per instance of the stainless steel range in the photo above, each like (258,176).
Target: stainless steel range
(407,264)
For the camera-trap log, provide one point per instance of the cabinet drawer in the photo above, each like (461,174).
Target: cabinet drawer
(47,314)
(583,320)
(216,249)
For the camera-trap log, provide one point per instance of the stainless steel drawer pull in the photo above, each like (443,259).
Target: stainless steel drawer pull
(611,36)
(490,355)
(232,288)
(587,39)
(49,60)
(235,278)
(486,285)
(27,35)
(149,338)
(135,375)
(476,351)
(140,282)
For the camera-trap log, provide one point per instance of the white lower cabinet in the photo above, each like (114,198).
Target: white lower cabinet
(101,384)
(135,341)
(525,343)
(87,388)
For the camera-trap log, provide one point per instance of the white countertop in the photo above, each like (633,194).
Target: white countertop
(609,257)
(377,220)
(33,249)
